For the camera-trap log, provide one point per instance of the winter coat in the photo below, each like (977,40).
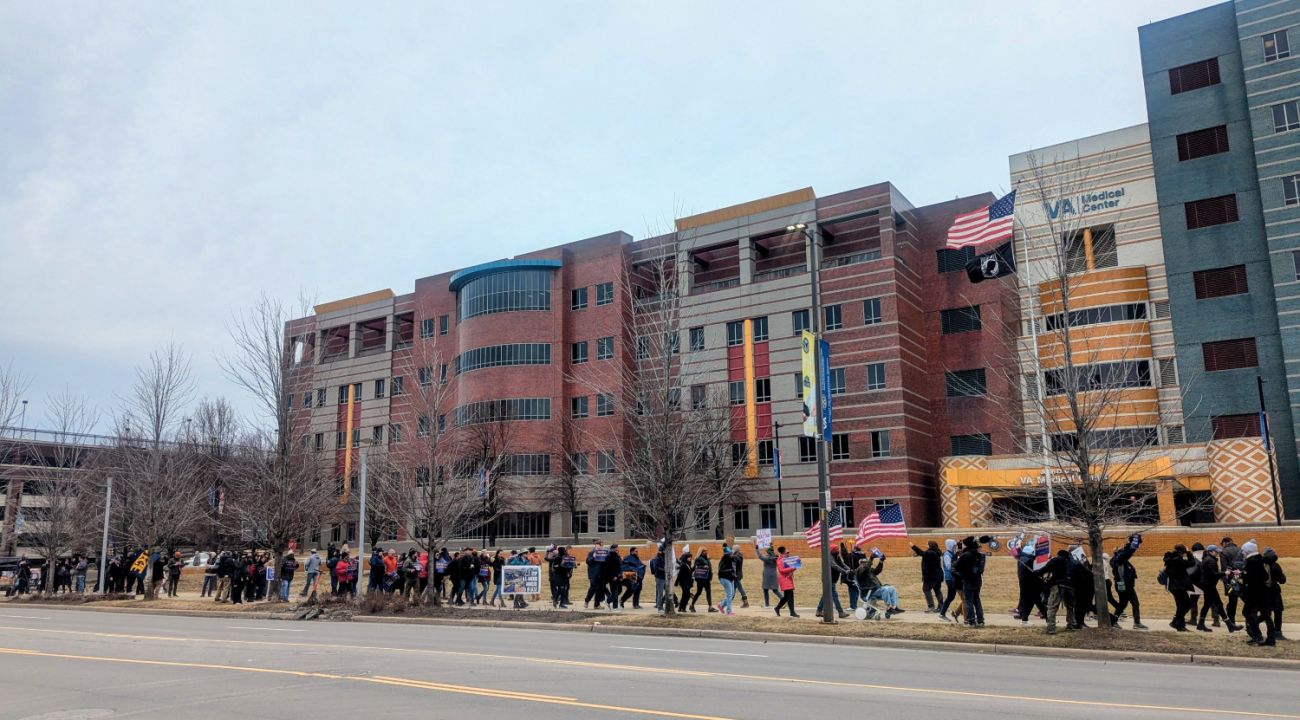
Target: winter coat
(969,566)
(1210,572)
(288,567)
(593,566)
(931,564)
(784,576)
(1256,580)
(703,563)
(738,561)
(1121,568)
(657,566)
(313,563)
(868,577)
(770,581)
(1056,570)
(612,567)
(684,579)
(632,564)
(727,567)
(1176,571)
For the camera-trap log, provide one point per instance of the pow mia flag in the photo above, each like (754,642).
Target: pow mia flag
(993,264)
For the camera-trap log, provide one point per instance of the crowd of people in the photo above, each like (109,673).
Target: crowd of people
(1199,579)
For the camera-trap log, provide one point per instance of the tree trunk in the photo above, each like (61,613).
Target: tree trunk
(1100,597)
(670,575)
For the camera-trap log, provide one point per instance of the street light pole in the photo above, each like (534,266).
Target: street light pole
(361,522)
(823,486)
(780,493)
(103,545)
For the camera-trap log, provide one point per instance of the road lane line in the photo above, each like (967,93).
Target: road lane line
(690,652)
(382,680)
(246,627)
(674,671)
(26,617)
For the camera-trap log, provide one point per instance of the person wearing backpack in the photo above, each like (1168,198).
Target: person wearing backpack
(1121,568)
(1179,566)
(658,573)
(1277,578)
(703,575)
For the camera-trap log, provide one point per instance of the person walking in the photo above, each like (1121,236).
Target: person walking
(1209,579)
(498,577)
(658,573)
(376,581)
(1121,568)
(1231,565)
(703,575)
(685,578)
(595,560)
(157,573)
(838,570)
(1055,574)
(932,575)
(771,584)
(611,576)
(1277,578)
(1030,585)
(1179,565)
(969,566)
(950,578)
(738,560)
(785,581)
(1256,581)
(727,578)
(633,577)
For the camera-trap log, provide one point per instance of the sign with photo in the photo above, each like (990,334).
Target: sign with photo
(763,538)
(793,561)
(521,580)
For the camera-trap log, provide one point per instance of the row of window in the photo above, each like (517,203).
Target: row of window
(578,351)
(1204,73)
(604,296)
(426,326)
(505,292)
(500,410)
(580,407)
(342,442)
(1098,376)
(501,355)
(606,522)
(1126,312)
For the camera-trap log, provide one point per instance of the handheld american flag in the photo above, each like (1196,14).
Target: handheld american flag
(834,531)
(885,522)
(992,223)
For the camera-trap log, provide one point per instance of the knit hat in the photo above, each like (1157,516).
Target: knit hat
(1250,548)
(950,544)
(1212,548)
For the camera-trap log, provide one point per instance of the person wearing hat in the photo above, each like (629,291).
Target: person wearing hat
(969,566)
(1277,579)
(1255,595)
(1208,581)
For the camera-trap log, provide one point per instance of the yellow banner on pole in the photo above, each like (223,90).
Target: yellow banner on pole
(141,563)
(808,354)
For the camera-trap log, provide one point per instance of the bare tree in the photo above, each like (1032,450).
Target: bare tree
(486,444)
(566,490)
(673,456)
(159,494)
(13,385)
(56,478)
(213,434)
(274,491)
(1080,389)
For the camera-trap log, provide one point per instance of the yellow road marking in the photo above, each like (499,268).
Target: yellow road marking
(687,673)
(379,679)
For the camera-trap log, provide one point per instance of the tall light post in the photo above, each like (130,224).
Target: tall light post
(776,464)
(823,487)
(103,544)
(22,421)
(361,522)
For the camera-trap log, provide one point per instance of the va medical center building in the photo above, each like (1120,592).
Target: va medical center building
(1185,264)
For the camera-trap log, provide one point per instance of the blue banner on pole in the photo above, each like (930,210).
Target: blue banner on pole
(824,385)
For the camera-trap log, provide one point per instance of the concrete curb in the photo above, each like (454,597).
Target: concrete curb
(748,635)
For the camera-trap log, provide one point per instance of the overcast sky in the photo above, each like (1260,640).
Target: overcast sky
(162,164)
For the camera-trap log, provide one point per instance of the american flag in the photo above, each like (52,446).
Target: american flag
(988,224)
(835,531)
(885,522)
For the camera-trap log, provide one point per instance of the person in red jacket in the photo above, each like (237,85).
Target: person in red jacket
(785,581)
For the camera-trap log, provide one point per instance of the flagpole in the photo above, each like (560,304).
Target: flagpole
(1038,374)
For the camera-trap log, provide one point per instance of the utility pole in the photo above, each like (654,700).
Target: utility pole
(361,522)
(776,460)
(103,545)
(823,487)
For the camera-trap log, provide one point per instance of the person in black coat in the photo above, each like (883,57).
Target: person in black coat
(931,574)
(595,587)
(1255,594)
(1125,576)
(1054,575)
(1031,586)
(1211,574)
(1082,585)
(611,576)
(1277,578)
(970,567)
(1178,566)
(685,579)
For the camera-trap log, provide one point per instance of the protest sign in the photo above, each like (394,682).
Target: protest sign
(521,580)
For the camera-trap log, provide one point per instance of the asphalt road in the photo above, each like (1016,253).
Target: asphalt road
(67,664)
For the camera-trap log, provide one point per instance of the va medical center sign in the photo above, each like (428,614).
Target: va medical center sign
(1089,202)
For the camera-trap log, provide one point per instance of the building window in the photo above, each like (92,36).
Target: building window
(1104,252)
(423,427)
(875,376)
(444,321)
(1224,427)
(871,314)
(1291,189)
(505,292)
(811,513)
(502,355)
(740,517)
(698,395)
(578,463)
(580,526)
(846,511)
(954,259)
(763,390)
(979,444)
(1202,143)
(697,339)
(426,328)
(605,293)
(605,521)
(837,386)
(604,405)
(356,437)
(508,409)
(1220,282)
(799,320)
(701,518)
(738,453)
(394,433)
(1127,312)
(1276,46)
(320,442)
(605,462)
(377,434)
(321,396)
(760,329)
(306,399)
(766,452)
(735,333)
(1211,211)
(339,443)
(399,386)
(834,316)
(442,423)
(960,320)
(578,352)
(343,394)
(840,446)
(1193,76)
(1229,354)
(798,385)
(1286,116)
(604,348)
(767,516)
(879,443)
(965,383)
(356,391)
(442,373)
(882,503)
(1295,263)
(579,298)
(736,392)
(424,376)
(807,449)
(1099,376)
(1167,369)
(528,464)
(578,407)
(379,388)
